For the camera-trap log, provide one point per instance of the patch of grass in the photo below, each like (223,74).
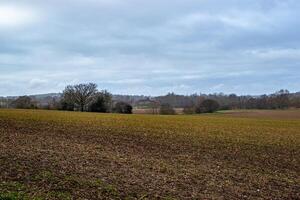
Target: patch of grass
(16,186)
(12,191)
(15,191)
(59,195)
(12,196)
(45,175)
(107,189)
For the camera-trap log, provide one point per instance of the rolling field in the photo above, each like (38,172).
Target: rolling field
(70,155)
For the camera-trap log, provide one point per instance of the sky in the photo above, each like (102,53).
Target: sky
(150,47)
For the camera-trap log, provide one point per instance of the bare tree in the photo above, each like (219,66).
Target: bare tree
(154,105)
(282,99)
(80,95)
(24,102)
(102,102)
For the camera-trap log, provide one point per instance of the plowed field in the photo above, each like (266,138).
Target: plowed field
(70,155)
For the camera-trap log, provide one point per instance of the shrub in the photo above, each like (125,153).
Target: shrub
(166,109)
(208,106)
(122,107)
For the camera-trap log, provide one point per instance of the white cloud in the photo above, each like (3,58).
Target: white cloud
(14,16)
(276,53)
(237,19)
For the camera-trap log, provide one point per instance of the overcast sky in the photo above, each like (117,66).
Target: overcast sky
(150,47)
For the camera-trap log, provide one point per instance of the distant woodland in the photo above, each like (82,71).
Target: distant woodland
(88,98)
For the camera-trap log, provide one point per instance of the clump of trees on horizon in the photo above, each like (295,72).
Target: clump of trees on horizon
(24,102)
(207,106)
(80,97)
(87,98)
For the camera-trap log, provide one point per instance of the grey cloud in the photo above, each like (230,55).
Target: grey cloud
(154,46)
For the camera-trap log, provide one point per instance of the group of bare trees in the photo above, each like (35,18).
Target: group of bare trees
(80,95)
(279,100)
(203,103)
(24,102)
(205,106)
(86,97)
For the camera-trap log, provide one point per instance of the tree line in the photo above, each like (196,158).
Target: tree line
(87,98)
(80,97)
(281,99)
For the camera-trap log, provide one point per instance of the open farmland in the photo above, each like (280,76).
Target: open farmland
(69,155)
(153,111)
(265,114)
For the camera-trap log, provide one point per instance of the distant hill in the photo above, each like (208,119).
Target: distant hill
(42,96)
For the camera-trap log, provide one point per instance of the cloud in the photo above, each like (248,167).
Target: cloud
(218,87)
(272,54)
(37,83)
(12,16)
(150,47)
